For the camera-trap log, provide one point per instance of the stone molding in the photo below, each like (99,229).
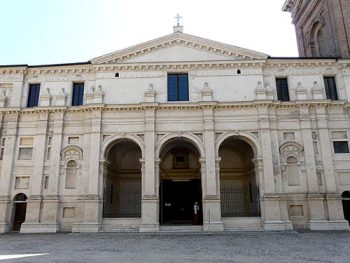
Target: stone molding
(163,66)
(177,106)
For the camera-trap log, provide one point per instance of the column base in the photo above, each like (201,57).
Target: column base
(149,228)
(278,226)
(4,228)
(33,228)
(213,227)
(86,228)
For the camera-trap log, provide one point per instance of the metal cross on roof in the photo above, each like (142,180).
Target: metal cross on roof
(178,17)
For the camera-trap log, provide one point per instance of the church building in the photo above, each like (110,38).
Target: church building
(179,133)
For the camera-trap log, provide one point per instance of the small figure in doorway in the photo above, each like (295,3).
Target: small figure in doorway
(196,213)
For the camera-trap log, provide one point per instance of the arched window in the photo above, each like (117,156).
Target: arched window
(292,171)
(71,174)
(20,206)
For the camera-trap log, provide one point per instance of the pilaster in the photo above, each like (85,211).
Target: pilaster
(332,200)
(6,181)
(272,216)
(33,217)
(150,177)
(210,174)
(89,212)
(317,214)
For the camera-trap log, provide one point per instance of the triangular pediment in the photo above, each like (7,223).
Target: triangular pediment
(179,47)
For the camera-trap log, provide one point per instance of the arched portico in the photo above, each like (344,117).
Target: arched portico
(239,168)
(180,184)
(122,179)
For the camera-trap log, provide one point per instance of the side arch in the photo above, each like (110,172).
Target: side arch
(196,141)
(252,141)
(108,144)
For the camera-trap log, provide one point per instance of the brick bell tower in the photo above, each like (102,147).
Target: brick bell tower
(322,27)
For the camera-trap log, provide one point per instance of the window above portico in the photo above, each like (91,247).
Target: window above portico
(178,87)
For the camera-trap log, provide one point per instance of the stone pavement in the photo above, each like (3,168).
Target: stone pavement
(177,247)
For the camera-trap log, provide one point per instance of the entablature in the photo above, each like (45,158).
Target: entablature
(179,106)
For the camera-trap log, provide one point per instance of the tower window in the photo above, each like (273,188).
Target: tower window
(239,72)
(116,75)
(178,87)
(282,89)
(331,88)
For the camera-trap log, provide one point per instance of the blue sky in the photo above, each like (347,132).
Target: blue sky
(63,31)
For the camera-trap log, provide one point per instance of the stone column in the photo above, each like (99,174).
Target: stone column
(150,193)
(34,201)
(51,200)
(333,200)
(272,216)
(6,181)
(210,178)
(90,201)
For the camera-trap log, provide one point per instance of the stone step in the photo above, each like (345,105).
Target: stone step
(181,228)
(116,229)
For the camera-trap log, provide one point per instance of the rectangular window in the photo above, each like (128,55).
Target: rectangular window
(341,147)
(78,94)
(178,87)
(331,88)
(25,154)
(33,95)
(26,148)
(282,89)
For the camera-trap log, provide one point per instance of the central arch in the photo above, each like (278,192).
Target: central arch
(180,188)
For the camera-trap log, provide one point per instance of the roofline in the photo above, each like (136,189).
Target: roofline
(46,65)
(14,66)
(305,58)
(62,64)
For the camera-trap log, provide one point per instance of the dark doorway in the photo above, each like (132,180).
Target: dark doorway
(178,200)
(20,201)
(346,205)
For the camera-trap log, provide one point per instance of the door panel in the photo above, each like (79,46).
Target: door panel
(177,201)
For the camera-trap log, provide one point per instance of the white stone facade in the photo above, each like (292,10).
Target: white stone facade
(232,94)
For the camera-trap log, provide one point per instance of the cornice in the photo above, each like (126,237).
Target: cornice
(300,62)
(180,66)
(166,66)
(178,106)
(71,69)
(13,70)
(83,69)
(288,5)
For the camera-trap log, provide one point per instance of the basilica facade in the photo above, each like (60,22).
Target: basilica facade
(179,132)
